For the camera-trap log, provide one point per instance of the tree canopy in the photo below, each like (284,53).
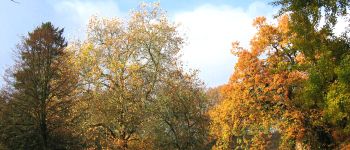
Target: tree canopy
(125,87)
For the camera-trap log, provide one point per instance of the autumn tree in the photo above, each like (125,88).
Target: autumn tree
(257,107)
(291,82)
(122,63)
(214,95)
(179,117)
(313,24)
(41,92)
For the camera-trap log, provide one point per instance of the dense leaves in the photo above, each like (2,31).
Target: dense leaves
(291,83)
(41,93)
(124,86)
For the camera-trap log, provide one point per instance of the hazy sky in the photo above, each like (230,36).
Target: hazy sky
(209,26)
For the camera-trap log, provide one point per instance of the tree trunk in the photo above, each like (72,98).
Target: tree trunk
(125,144)
(43,128)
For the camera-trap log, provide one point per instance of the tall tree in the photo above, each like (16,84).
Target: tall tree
(122,64)
(43,84)
(258,108)
(293,81)
(326,90)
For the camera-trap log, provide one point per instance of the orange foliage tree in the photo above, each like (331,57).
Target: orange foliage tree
(259,106)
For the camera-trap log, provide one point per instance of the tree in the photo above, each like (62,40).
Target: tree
(326,54)
(258,106)
(291,81)
(214,95)
(122,64)
(2,110)
(42,88)
(180,114)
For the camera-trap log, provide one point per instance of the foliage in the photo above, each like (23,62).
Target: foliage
(40,93)
(124,86)
(180,113)
(125,67)
(292,82)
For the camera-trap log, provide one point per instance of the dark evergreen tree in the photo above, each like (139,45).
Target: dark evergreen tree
(43,84)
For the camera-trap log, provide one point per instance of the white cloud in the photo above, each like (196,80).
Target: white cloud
(210,31)
(77,13)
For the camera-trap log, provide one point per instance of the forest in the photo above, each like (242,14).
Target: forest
(125,87)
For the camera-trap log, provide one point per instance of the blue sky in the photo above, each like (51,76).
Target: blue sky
(209,26)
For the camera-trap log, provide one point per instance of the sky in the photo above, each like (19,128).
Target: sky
(209,26)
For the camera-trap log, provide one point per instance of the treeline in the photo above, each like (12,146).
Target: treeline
(124,87)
